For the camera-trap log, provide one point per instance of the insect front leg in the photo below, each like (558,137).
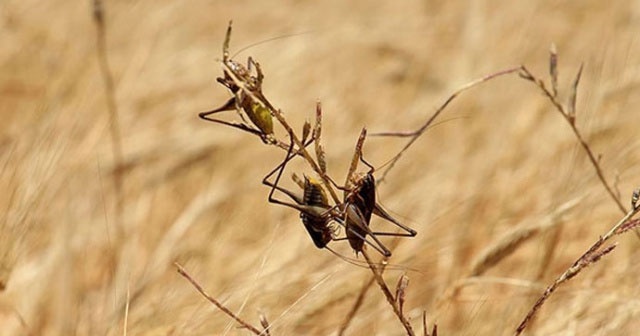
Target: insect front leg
(259,75)
(229,105)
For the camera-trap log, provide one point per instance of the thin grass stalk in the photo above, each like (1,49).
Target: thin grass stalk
(570,119)
(215,302)
(112,109)
(414,135)
(387,294)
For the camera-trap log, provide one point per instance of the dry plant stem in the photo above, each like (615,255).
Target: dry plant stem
(424,323)
(224,309)
(359,301)
(109,87)
(587,258)
(126,314)
(356,306)
(425,331)
(363,293)
(417,133)
(306,154)
(265,324)
(570,119)
(387,294)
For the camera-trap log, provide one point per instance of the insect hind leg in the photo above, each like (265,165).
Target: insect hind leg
(380,212)
(357,216)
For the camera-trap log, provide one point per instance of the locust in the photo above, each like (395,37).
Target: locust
(247,96)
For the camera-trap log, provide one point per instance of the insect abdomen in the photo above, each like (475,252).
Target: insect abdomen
(316,225)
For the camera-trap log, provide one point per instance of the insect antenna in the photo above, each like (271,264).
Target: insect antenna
(281,37)
(363,264)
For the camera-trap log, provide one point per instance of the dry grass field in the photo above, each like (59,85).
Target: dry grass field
(501,166)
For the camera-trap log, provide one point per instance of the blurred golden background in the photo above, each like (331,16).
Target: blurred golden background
(502,160)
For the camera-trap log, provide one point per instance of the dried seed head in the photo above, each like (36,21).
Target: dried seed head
(571,106)
(265,323)
(297,180)
(306,129)
(634,199)
(403,283)
(322,161)
(317,135)
(630,225)
(553,68)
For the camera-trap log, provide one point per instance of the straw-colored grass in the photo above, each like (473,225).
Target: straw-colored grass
(504,162)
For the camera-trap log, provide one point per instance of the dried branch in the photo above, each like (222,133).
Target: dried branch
(569,116)
(592,255)
(265,324)
(387,294)
(383,265)
(414,135)
(224,309)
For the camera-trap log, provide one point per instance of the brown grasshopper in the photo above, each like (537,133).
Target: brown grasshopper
(354,214)
(313,205)
(360,203)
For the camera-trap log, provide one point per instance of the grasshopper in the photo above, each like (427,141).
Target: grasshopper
(247,95)
(313,205)
(360,203)
(354,214)
(317,215)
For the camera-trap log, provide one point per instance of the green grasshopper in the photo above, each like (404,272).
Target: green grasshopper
(247,95)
